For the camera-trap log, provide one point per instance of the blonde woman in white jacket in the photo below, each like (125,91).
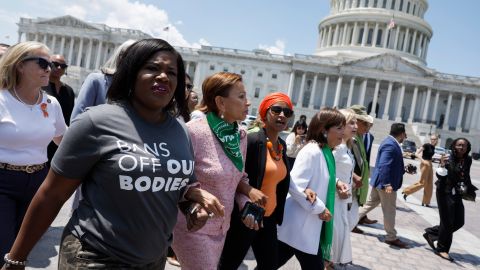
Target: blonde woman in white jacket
(307,229)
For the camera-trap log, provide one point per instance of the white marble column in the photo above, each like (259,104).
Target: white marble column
(52,46)
(412,49)
(458,128)
(338,91)
(290,83)
(79,54)
(329,36)
(89,54)
(419,51)
(187,68)
(426,48)
(397,35)
(354,34)
(313,94)
(36,37)
(386,33)
(413,105)
(475,121)
(427,103)
(375,35)
(325,89)
(398,114)
(19,36)
(345,34)
(447,113)
(302,90)
(62,45)
(361,99)
(435,106)
(335,35)
(44,41)
(387,101)
(405,40)
(365,32)
(70,51)
(350,92)
(375,99)
(105,52)
(199,72)
(99,54)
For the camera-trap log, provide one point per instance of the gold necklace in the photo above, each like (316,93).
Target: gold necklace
(26,104)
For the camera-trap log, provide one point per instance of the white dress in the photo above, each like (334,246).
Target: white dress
(341,244)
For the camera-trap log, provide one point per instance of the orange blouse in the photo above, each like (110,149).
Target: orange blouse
(275,171)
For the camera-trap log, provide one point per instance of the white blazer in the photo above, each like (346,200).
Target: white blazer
(302,225)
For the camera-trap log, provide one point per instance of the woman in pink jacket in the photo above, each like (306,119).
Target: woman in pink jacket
(219,148)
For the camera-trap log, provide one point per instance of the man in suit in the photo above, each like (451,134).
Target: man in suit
(368,139)
(361,171)
(386,179)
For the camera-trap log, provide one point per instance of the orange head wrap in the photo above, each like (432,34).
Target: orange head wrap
(271,99)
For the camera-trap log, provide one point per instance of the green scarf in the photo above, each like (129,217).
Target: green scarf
(326,235)
(363,191)
(229,137)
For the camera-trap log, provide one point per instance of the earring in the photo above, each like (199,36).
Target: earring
(130,92)
(222,116)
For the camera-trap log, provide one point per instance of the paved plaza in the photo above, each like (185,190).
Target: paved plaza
(369,251)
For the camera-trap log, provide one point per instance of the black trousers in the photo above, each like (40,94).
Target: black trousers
(307,261)
(452,218)
(239,239)
(16,192)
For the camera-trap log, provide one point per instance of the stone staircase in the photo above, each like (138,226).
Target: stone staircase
(381,129)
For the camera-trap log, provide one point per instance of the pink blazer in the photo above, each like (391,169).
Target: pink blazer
(216,173)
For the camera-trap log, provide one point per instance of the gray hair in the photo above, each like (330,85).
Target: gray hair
(111,65)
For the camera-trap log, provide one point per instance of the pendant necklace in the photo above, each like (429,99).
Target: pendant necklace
(26,104)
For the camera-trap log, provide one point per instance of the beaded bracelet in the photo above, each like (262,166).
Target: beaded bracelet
(8,261)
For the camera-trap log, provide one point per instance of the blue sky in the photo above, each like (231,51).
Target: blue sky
(285,27)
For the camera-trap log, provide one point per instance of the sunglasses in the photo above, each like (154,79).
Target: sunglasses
(42,62)
(59,65)
(279,109)
(189,86)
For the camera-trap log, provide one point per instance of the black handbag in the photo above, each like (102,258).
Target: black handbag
(252,209)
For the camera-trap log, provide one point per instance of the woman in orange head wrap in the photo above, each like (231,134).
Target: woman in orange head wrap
(272,99)
(268,170)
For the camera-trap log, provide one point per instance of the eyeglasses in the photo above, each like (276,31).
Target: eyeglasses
(278,109)
(189,86)
(59,65)
(42,62)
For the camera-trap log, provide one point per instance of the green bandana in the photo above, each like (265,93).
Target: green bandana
(363,191)
(228,136)
(326,235)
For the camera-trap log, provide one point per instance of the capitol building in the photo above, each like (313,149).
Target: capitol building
(370,52)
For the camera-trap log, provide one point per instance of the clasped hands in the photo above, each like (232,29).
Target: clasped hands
(203,206)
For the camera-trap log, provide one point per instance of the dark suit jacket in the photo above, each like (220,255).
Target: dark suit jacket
(389,168)
(368,148)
